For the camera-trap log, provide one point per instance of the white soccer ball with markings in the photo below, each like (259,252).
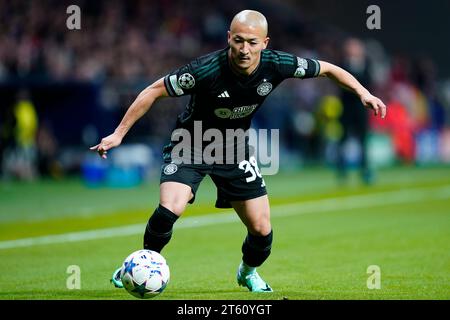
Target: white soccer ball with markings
(145,274)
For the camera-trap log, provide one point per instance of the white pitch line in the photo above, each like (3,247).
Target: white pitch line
(297,208)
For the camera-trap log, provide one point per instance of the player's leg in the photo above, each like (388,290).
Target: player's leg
(242,187)
(256,248)
(178,185)
(174,197)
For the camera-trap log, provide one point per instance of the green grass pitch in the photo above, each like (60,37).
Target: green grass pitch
(325,238)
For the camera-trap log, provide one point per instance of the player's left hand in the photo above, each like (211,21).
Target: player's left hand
(374,103)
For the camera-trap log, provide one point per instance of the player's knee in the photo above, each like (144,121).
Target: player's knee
(177,207)
(260,228)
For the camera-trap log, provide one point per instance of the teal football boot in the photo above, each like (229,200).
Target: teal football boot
(253,282)
(116,279)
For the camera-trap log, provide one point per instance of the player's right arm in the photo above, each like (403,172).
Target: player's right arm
(349,82)
(138,108)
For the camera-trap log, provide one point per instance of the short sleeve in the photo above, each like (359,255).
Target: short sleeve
(291,66)
(180,82)
(306,68)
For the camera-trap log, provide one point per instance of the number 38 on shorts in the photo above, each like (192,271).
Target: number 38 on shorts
(251,166)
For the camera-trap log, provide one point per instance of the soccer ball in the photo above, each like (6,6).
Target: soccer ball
(145,274)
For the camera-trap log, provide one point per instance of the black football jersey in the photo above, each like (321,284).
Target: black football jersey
(222,99)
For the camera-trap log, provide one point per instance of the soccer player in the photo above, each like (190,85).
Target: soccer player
(226,87)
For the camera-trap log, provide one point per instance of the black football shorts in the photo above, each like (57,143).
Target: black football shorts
(234,182)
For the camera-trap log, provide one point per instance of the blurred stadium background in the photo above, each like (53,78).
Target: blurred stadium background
(62,90)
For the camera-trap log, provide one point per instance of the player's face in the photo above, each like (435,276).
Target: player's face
(246,44)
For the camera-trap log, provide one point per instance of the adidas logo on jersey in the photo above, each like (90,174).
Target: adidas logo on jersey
(224,95)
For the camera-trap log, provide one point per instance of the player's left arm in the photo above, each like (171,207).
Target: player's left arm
(349,82)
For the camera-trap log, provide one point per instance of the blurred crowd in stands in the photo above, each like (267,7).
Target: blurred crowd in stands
(125,45)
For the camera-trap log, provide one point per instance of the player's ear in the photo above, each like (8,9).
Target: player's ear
(266,42)
(228,37)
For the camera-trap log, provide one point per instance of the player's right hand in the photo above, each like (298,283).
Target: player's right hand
(109,142)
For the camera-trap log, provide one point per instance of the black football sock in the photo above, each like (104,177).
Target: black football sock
(159,229)
(256,249)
